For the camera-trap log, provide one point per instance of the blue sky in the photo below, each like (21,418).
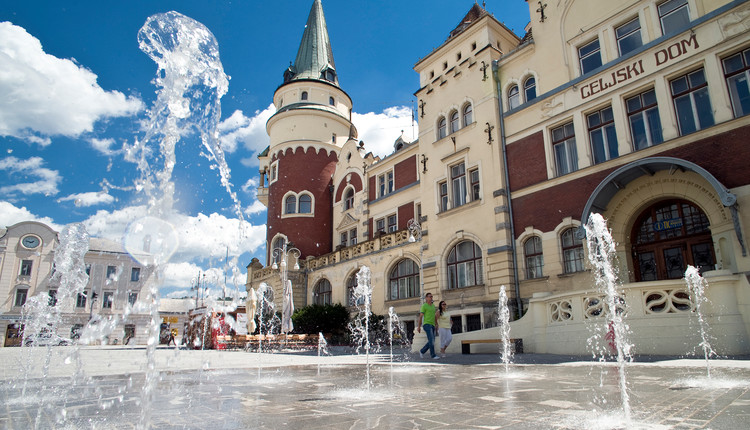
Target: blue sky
(75,90)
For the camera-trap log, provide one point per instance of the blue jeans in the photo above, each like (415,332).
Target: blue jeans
(429,330)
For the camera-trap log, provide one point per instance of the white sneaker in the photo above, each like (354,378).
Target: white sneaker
(437,357)
(421,355)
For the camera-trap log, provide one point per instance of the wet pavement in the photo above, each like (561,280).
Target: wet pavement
(102,388)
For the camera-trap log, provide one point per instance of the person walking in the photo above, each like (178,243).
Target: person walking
(427,316)
(444,325)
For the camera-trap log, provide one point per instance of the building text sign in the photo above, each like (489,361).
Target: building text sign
(623,74)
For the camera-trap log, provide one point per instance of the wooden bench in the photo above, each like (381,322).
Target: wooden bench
(466,344)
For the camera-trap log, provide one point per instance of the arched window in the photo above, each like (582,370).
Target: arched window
(529,88)
(322,292)
(514,99)
(404,280)
(668,236)
(277,247)
(304,95)
(468,114)
(532,250)
(349,199)
(465,265)
(441,127)
(572,249)
(454,121)
(290,205)
(305,204)
(331,101)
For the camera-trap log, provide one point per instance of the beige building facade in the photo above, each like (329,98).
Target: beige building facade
(637,110)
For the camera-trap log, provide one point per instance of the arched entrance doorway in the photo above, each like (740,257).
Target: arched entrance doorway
(667,237)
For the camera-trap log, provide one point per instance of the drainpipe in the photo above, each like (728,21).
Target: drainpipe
(501,122)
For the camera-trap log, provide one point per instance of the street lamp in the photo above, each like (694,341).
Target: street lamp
(281,257)
(415,234)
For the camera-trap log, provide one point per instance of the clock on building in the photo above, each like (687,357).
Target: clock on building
(30,242)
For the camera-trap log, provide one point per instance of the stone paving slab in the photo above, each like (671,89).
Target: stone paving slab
(241,390)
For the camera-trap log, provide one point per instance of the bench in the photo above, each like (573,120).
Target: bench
(466,344)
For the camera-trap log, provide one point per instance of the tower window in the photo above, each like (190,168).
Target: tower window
(304,95)
(331,101)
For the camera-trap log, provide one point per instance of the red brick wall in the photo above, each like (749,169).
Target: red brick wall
(405,213)
(355,180)
(724,155)
(371,193)
(405,172)
(527,164)
(304,171)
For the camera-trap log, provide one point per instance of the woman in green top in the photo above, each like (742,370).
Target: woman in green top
(444,326)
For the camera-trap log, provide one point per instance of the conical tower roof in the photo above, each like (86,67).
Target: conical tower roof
(314,57)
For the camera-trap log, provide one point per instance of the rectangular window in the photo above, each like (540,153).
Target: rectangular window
(443,187)
(673,15)
(457,325)
(352,237)
(132,297)
(564,146)
(473,322)
(88,269)
(135,274)
(589,56)
(737,74)
(392,226)
(458,184)
(111,272)
(643,116)
(274,175)
(52,297)
(21,294)
(344,239)
(107,297)
(602,135)
(691,102)
(474,178)
(381,185)
(26,266)
(81,300)
(629,36)
(389,175)
(380,225)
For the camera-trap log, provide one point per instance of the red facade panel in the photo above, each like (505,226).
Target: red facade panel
(405,213)
(527,164)
(354,179)
(405,172)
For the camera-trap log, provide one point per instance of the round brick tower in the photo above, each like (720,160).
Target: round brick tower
(311,124)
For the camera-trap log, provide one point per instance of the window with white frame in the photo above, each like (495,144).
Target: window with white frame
(564,148)
(443,191)
(468,114)
(737,75)
(442,127)
(351,285)
(602,135)
(392,223)
(290,204)
(385,184)
(107,298)
(404,280)
(458,184)
(274,174)
(298,204)
(529,88)
(21,294)
(81,300)
(691,102)
(380,225)
(352,237)
(135,274)
(454,121)
(322,292)
(629,36)
(643,117)
(589,56)
(112,273)
(474,185)
(465,265)
(673,15)
(532,249)
(305,204)
(572,249)
(26,266)
(132,298)
(349,199)
(514,97)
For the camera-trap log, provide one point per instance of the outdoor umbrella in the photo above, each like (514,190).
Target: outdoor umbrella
(287,309)
(252,305)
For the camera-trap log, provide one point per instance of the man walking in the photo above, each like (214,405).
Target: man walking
(427,316)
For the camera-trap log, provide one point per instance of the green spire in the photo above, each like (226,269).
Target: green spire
(315,57)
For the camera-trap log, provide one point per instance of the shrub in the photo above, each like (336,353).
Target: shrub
(333,319)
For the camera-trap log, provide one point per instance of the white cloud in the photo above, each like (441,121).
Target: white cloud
(30,177)
(248,131)
(103,146)
(10,215)
(251,188)
(88,199)
(380,130)
(200,237)
(42,95)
